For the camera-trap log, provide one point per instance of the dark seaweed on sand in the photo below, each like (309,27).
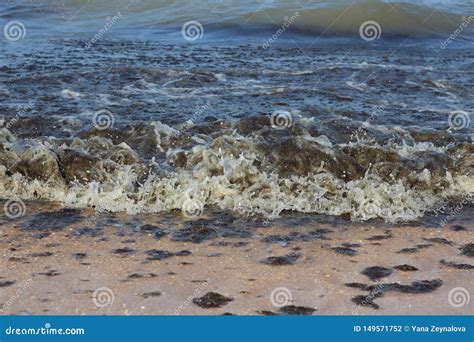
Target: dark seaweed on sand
(297,310)
(405,268)
(456,265)
(151,294)
(366,301)
(194,234)
(344,250)
(288,259)
(376,272)
(416,287)
(467,250)
(155,254)
(376,291)
(126,251)
(5,283)
(212,300)
(52,221)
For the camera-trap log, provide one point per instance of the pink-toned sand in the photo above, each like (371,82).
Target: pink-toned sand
(63,283)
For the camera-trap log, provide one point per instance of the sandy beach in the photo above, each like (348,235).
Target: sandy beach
(71,262)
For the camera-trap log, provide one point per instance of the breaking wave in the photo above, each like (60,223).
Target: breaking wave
(259,170)
(329,17)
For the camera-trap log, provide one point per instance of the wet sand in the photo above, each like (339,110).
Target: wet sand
(57,261)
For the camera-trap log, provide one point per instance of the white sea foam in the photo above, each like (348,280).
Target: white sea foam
(70,94)
(224,174)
